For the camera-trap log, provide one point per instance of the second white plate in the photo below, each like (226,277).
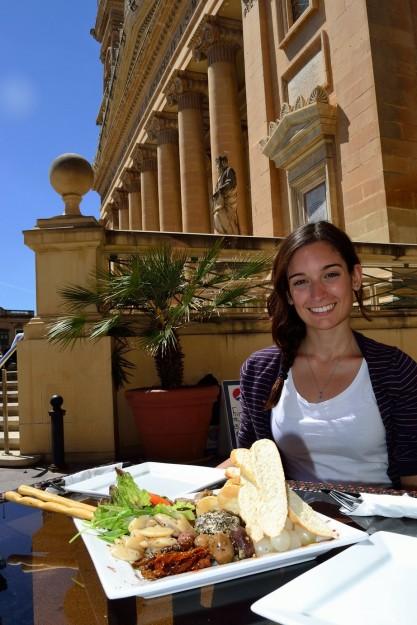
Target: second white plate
(169,480)
(372,582)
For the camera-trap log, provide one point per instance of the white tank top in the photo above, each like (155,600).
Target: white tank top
(341,439)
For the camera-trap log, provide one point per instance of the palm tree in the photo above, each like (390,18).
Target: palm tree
(150,296)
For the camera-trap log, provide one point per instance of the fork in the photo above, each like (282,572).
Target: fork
(349,502)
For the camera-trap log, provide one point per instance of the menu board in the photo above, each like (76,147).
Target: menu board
(232,409)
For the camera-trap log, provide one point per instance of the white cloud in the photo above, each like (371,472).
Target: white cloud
(18,97)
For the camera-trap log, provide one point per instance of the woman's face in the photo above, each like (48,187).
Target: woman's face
(320,285)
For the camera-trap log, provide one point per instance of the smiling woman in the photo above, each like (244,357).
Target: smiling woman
(340,406)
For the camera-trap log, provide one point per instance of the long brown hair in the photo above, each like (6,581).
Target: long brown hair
(288,330)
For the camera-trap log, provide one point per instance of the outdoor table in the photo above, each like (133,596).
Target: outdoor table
(46,580)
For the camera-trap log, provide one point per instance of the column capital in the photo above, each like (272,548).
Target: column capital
(111,212)
(119,197)
(131,180)
(186,89)
(163,128)
(217,39)
(144,157)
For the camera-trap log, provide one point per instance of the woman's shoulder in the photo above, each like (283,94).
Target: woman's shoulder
(263,359)
(378,351)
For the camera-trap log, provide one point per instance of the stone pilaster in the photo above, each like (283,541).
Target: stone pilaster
(268,215)
(217,40)
(144,160)
(163,129)
(187,90)
(131,182)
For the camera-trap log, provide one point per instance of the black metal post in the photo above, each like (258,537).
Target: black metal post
(57,430)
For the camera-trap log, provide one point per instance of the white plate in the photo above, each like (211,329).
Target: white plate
(120,580)
(169,480)
(372,582)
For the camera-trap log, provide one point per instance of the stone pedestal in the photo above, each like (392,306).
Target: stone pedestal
(67,252)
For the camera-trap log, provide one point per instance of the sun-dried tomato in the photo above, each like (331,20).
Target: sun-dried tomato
(173,562)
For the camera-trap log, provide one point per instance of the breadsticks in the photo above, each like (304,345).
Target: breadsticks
(52,503)
(44,495)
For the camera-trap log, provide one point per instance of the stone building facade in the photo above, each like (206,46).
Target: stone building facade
(311,101)
(11,322)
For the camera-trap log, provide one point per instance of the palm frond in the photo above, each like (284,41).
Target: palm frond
(151,295)
(78,298)
(122,367)
(67,330)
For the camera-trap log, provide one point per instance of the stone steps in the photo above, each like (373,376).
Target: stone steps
(12,411)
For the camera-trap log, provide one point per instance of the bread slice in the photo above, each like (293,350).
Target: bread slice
(242,458)
(270,482)
(207,504)
(233,474)
(300,512)
(248,500)
(227,497)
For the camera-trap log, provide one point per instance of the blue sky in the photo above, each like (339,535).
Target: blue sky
(50,91)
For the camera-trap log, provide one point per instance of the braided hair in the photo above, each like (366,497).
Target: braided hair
(288,330)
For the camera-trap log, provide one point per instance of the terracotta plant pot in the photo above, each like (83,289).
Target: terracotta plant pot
(173,424)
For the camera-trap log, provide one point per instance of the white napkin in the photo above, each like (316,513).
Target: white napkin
(88,473)
(392,506)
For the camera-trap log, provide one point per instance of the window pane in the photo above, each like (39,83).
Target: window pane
(298,7)
(315,205)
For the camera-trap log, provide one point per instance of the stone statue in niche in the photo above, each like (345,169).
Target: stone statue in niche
(225,199)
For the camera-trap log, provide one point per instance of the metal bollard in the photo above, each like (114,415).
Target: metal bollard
(57,430)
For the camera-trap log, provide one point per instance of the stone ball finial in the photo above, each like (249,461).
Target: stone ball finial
(71,176)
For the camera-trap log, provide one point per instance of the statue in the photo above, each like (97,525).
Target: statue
(225,199)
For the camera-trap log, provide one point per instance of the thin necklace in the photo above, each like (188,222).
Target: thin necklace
(329,379)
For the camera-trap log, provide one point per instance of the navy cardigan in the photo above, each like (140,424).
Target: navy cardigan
(393,377)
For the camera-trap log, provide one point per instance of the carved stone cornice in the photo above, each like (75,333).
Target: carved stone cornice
(247,5)
(137,79)
(217,39)
(163,128)
(300,128)
(131,180)
(144,157)
(186,89)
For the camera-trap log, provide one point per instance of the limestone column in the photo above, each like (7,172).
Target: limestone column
(121,200)
(218,40)
(163,129)
(186,90)
(144,159)
(131,182)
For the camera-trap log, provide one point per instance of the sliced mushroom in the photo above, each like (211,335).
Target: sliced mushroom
(168,521)
(155,531)
(161,543)
(135,542)
(139,522)
(124,553)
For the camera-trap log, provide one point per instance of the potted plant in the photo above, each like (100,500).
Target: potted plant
(150,296)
